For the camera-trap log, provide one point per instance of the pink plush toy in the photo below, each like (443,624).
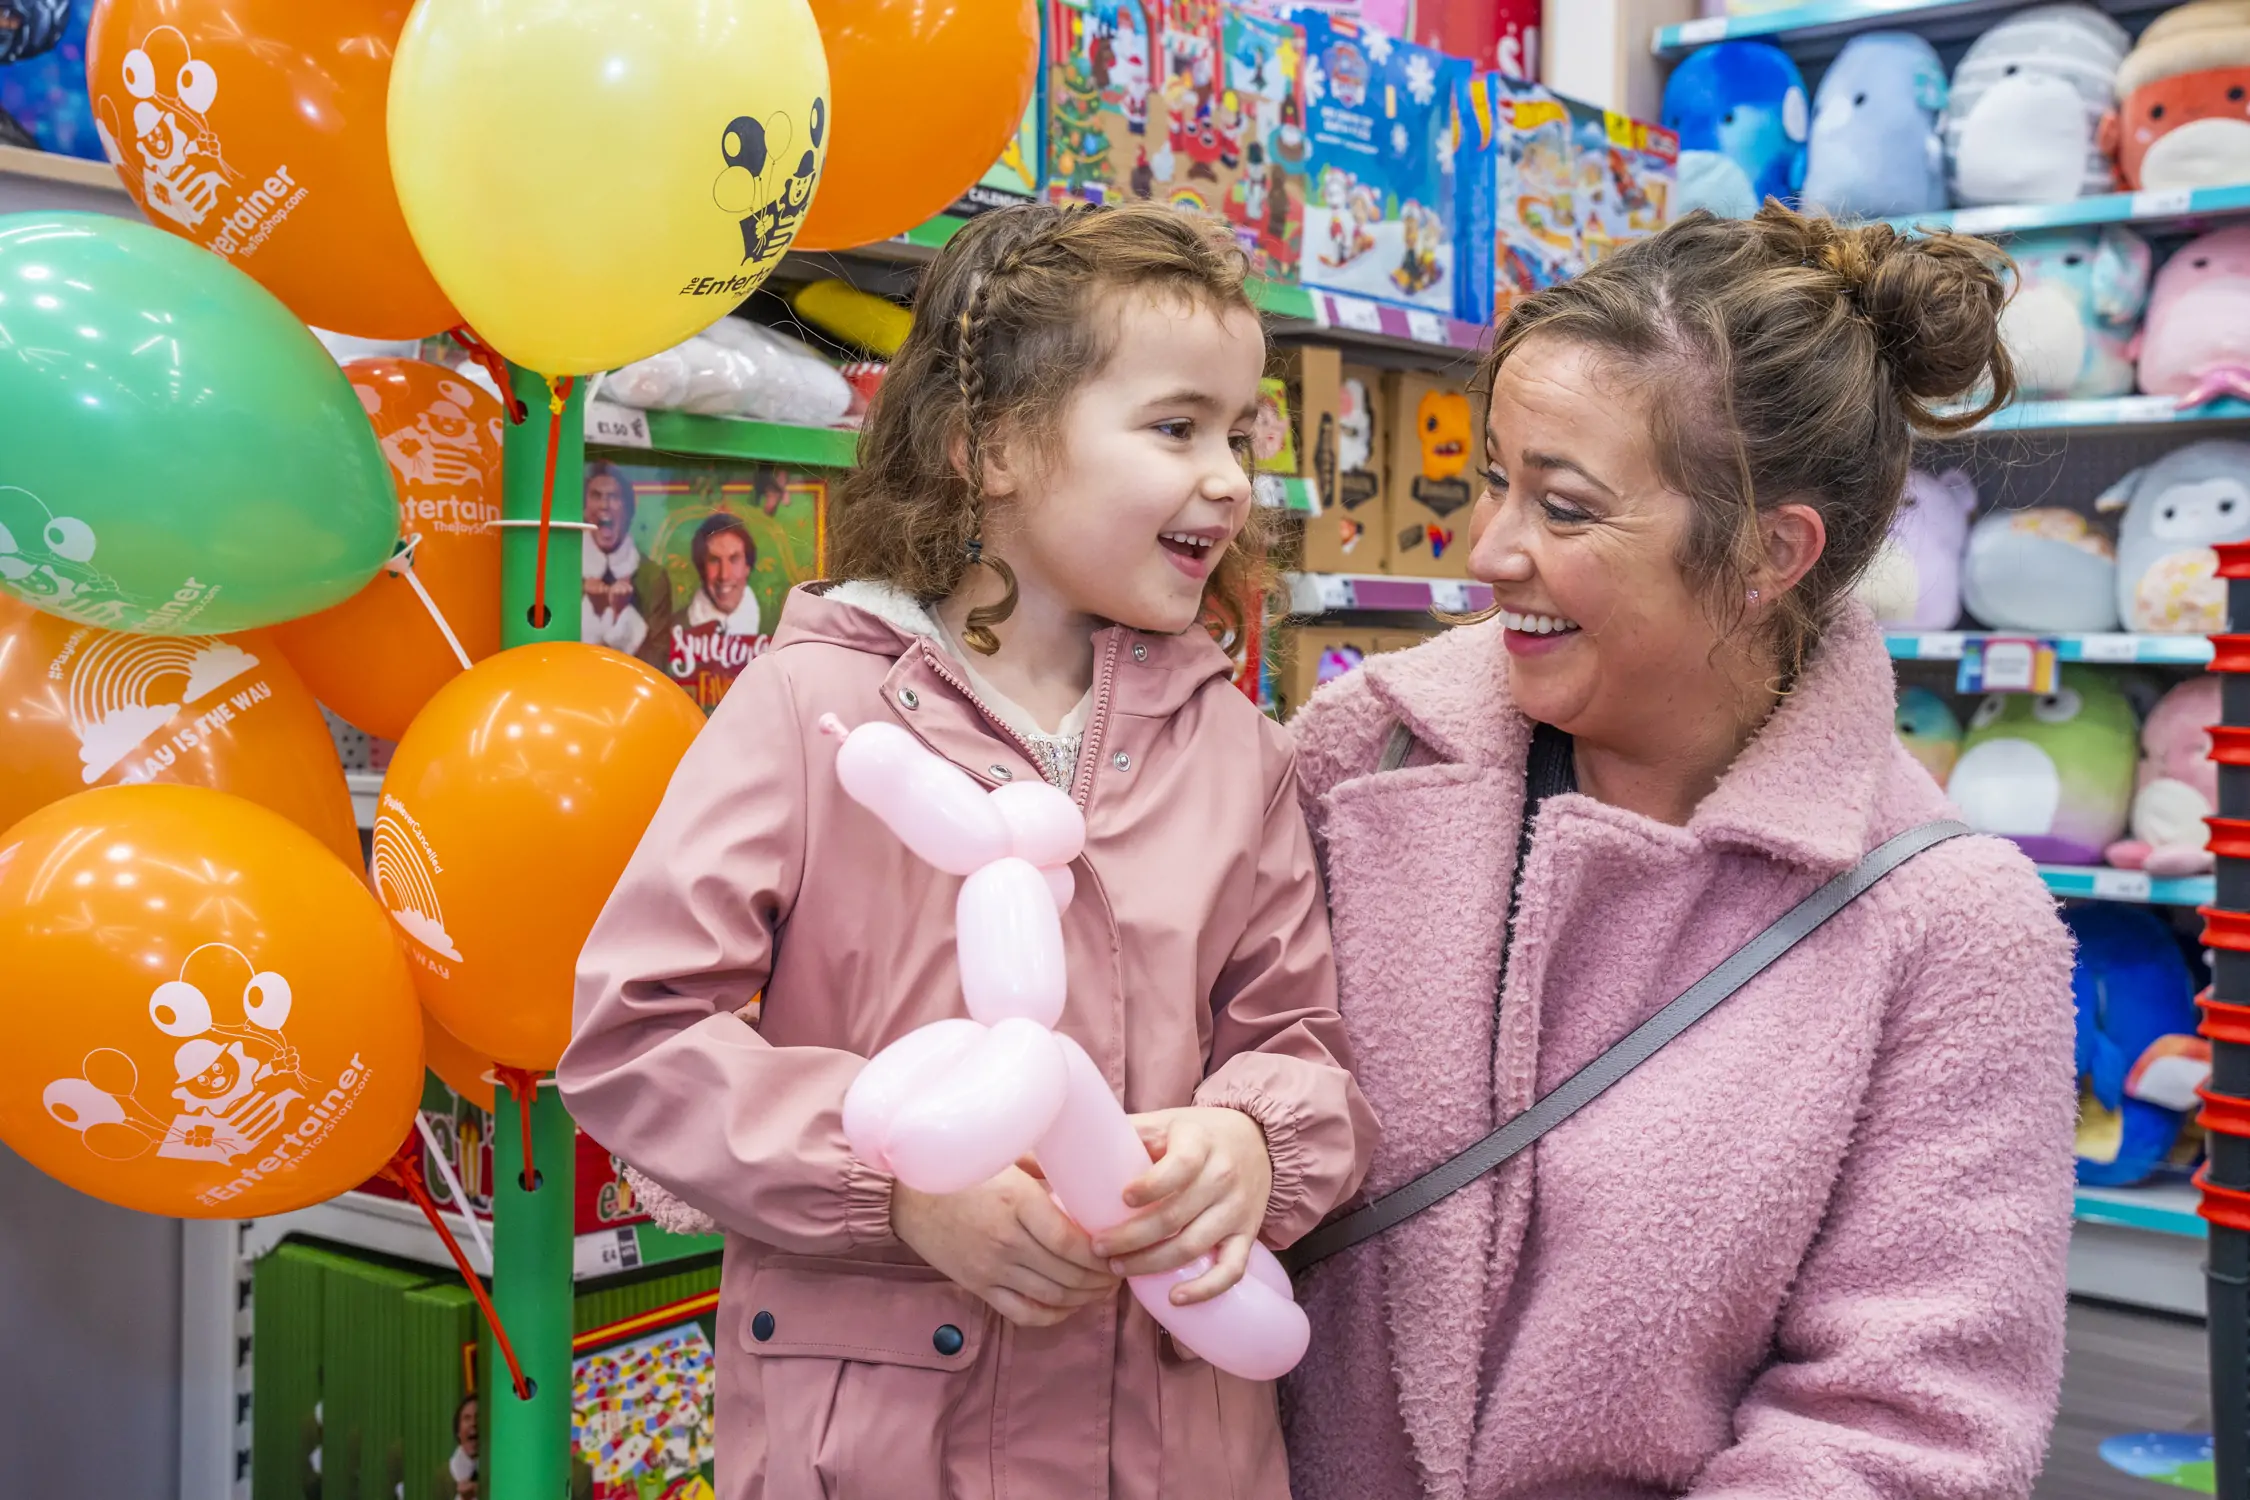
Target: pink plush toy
(2178,786)
(2195,343)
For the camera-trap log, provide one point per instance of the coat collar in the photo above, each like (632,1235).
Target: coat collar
(1169,670)
(1805,790)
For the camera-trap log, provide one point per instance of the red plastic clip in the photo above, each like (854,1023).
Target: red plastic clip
(2225,929)
(2223,1022)
(2234,559)
(2229,1208)
(2230,653)
(2223,1114)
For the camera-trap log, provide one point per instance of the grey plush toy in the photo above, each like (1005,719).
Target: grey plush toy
(2176,510)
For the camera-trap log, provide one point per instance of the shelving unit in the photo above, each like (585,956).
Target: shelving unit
(399,1229)
(2109,648)
(2113,413)
(1820,28)
(2141,1246)
(2101,883)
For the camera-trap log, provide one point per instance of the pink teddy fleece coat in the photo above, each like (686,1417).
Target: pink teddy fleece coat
(1199,974)
(1815,1248)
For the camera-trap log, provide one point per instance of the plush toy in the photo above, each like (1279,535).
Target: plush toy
(1928,730)
(1739,110)
(2178,786)
(2052,771)
(1875,150)
(2042,570)
(2070,325)
(2195,342)
(2176,510)
(1915,580)
(2026,105)
(2180,120)
(2135,1000)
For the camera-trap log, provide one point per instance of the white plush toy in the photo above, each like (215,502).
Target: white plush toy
(2044,570)
(2176,510)
(2026,107)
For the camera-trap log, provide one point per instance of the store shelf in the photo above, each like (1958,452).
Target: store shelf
(2165,1209)
(2165,209)
(1818,29)
(1331,593)
(2100,883)
(32,181)
(50,166)
(609,425)
(393,1228)
(2143,1247)
(2109,412)
(366,789)
(2110,648)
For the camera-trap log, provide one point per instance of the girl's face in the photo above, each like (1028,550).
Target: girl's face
(1146,482)
(1580,540)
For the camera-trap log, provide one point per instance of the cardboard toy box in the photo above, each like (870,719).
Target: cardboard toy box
(1182,102)
(1351,534)
(1313,656)
(692,559)
(1383,218)
(1534,162)
(1433,476)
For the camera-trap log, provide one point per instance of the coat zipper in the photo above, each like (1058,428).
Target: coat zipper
(1105,676)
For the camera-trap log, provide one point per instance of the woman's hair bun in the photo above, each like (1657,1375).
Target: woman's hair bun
(1934,301)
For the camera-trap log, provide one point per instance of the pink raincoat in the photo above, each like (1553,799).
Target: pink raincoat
(1200,973)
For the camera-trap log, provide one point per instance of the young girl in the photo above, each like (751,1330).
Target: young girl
(1052,483)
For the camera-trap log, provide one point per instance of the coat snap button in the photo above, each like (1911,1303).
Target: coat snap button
(761,1327)
(948,1341)
(908,698)
(1140,653)
(1002,773)
(1122,761)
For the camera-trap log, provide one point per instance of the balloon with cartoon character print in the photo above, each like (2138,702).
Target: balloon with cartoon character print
(377,657)
(254,128)
(181,456)
(207,1014)
(593,183)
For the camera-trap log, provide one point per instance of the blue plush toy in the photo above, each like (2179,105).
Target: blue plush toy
(2131,987)
(1740,113)
(1875,150)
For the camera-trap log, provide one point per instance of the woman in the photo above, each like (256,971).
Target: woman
(1815,1246)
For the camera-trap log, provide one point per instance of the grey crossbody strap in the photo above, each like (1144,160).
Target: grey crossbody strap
(1639,1045)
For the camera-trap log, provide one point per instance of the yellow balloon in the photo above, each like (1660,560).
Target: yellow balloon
(591,183)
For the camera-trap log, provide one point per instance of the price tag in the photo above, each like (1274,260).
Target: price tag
(1331,590)
(616,426)
(1985,220)
(1938,645)
(2109,648)
(1449,596)
(1358,315)
(2163,203)
(2122,885)
(1697,32)
(1427,328)
(2122,409)
(604,1252)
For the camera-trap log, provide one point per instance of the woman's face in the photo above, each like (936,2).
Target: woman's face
(1581,540)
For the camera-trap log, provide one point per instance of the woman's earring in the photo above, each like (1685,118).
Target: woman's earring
(1753,596)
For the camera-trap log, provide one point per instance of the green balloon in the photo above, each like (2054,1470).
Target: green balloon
(178,454)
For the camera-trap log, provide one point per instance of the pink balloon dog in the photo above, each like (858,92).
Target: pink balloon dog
(956,1102)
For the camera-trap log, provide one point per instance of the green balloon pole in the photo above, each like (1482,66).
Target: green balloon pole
(527,1443)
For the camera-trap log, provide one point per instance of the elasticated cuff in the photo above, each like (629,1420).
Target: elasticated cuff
(1285,1145)
(867,1205)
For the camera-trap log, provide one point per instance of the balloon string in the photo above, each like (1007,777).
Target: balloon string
(444,1160)
(558,392)
(404,567)
(524,1084)
(406,1171)
(494,365)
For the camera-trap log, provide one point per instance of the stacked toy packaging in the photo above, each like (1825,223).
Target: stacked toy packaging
(1383,220)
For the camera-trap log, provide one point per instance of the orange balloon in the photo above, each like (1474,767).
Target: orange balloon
(377,657)
(456,1066)
(81,707)
(507,815)
(208,1016)
(256,128)
(924,99)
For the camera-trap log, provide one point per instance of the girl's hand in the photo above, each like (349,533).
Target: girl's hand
(1206,1195)
(1005,1241)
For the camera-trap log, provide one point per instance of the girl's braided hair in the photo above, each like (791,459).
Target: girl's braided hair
(1009,322)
